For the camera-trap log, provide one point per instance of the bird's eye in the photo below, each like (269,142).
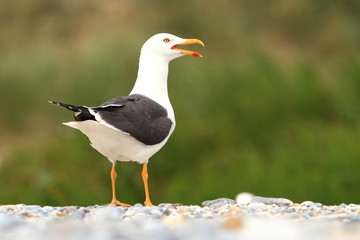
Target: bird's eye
(166,40)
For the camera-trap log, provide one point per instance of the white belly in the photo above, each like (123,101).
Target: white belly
(115,144)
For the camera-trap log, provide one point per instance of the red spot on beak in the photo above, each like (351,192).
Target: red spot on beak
(186,42)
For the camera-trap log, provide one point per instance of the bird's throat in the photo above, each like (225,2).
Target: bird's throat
(152,80)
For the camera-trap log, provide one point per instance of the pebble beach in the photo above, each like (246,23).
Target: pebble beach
(245,218)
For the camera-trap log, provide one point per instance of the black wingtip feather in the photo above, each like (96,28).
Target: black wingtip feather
(82,113)
(69,106)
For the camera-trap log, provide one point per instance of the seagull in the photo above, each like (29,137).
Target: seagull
(135,127)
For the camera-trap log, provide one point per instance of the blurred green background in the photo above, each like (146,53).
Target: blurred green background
(273,108)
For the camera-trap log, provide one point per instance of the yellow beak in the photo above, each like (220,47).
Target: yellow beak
(187,42)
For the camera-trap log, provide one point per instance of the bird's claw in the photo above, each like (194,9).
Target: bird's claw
(117,203)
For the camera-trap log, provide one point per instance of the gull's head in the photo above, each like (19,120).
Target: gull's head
(166,45)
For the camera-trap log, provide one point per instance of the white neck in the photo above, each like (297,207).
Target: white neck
(152,80)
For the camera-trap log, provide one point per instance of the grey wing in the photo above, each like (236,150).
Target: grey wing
(137,115)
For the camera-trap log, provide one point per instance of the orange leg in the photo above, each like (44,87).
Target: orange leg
(114,201)
(144,175)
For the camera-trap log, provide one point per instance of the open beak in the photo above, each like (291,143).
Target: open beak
(187,42)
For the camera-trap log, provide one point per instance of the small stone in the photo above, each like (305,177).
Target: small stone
(270,201)
(150,210)
(284,209)
(315,205)
(48,208)
(77,214)
(217,203)
(307,203)
(244,198)
(20,205)
(31,207)
(175,205)
(138,205)
(165,205)
(343,205)
(257,207)
(167,212)
(40,212)
(28,214)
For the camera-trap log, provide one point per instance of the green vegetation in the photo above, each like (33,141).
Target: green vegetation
(273,107)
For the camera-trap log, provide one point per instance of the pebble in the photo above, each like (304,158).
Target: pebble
(256,207)
(220,202)
(223,218)
(244,198)
(270,201)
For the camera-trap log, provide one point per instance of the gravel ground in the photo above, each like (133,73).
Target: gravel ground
(246,218)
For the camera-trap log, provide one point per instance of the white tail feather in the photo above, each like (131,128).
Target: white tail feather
(71,124)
